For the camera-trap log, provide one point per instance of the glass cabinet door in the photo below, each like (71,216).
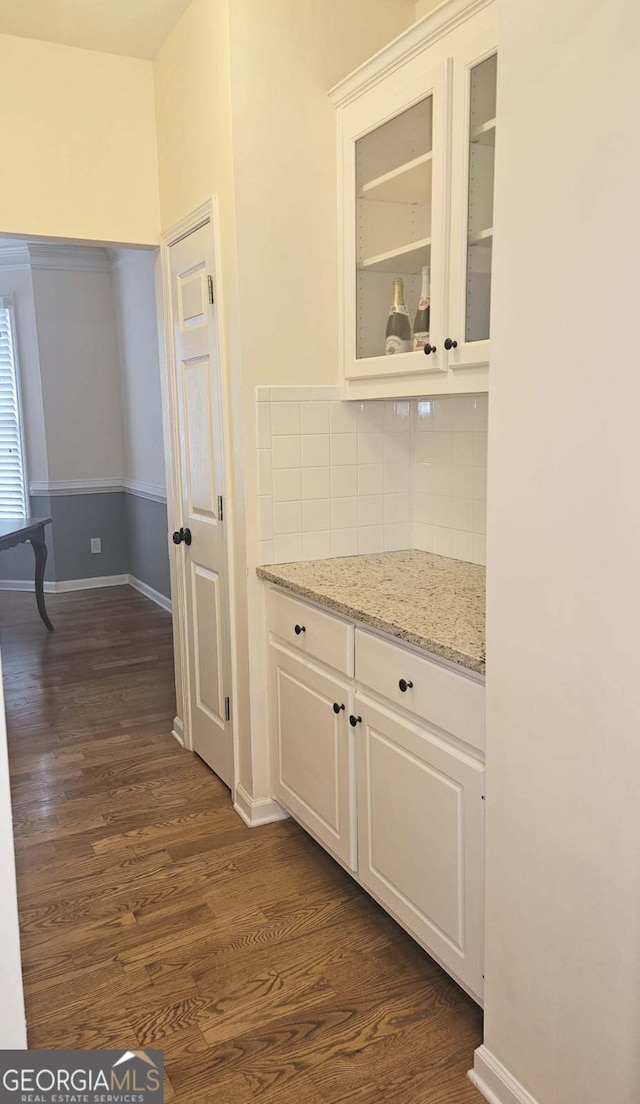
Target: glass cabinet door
(482,150)
(393,226)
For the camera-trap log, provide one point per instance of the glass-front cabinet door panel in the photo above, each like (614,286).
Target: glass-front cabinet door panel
(394,166)
(482,148)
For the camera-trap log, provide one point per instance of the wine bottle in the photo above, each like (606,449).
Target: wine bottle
(398,332)
(421,324)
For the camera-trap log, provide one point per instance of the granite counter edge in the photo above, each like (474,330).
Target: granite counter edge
(426,644)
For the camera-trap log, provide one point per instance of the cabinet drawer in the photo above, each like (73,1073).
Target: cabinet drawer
(451,701)
(320,635)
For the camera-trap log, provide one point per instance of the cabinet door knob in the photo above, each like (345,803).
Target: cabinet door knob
(405,685)
(299,629)
(430,349)
(353,721)
(337,708)
(450,344)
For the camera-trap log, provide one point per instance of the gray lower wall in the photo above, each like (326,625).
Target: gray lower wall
(146,523)
(133,532)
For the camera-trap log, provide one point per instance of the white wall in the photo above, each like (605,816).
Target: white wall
(563,730)
(17,282)
(77,338)
(136,312)
(13,1033)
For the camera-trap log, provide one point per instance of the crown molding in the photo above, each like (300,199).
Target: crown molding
(14,255)
(118,258)
(417,38)
(69,258)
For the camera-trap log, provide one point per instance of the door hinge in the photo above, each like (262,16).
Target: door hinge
(220,508)
(210,283)
(227,709)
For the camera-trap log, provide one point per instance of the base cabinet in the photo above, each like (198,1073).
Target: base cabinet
(381,785)
(420,835)
(313,760)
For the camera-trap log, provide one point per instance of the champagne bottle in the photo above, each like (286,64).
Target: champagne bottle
(398,333)
(421,324)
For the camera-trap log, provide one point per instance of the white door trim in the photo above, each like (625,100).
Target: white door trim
(208,212)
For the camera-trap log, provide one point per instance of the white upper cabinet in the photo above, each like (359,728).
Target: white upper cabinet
(416,143)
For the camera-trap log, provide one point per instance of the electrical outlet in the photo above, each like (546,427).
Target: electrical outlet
(96,544)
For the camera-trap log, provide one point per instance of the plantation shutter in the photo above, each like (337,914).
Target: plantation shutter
(13,497)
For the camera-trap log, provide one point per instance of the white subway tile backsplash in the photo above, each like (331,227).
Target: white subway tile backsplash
(285,418)
(263,423)
(370,447)
(316,482)
(338,478)
(370,479)
(286,452)
(315,450)
(343,417)
(287,518)
(344,542)
(316,546)
(371,510)
(287,485)
(265,472)
(265,516)
(287,549)
(397,537)
(316,515)
(344,513)
(344,449)
(314,417)
(370,539)
(344,481)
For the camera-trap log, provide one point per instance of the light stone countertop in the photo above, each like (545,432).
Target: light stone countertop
(432,602)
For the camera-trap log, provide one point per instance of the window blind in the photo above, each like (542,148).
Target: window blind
(13,495)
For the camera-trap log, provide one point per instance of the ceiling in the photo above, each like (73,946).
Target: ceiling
(136,28)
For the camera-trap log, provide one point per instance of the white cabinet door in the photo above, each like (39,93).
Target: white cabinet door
(472,180)
(421,836)
(313,762)
(395,179)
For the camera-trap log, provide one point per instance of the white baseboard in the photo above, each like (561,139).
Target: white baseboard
(67,584)
(149,592)
(178,731)
(100,581)
(257,811)
(495,1082)
(88,584)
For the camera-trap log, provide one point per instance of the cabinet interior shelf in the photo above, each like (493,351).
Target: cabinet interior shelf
(409,183)
(482,237)
(485,134)
(406,259)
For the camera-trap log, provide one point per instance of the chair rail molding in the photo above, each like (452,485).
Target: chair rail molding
(152,491)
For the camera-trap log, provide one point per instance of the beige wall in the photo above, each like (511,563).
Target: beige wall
(425,6)
(79,129)
(562,994)
(285,55)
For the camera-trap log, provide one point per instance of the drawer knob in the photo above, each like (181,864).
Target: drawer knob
(337,708)
(299,629)
(404,685)
(450,344)
(428,349)
(353,721)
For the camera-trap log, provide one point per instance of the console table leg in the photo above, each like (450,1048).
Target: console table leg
(40,552)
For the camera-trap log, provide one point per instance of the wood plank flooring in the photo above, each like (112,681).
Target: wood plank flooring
(151,916)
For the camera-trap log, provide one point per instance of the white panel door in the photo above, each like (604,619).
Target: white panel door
(421,836)
(198,399)
(313,775)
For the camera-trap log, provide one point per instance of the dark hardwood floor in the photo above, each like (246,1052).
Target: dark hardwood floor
(151,916)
